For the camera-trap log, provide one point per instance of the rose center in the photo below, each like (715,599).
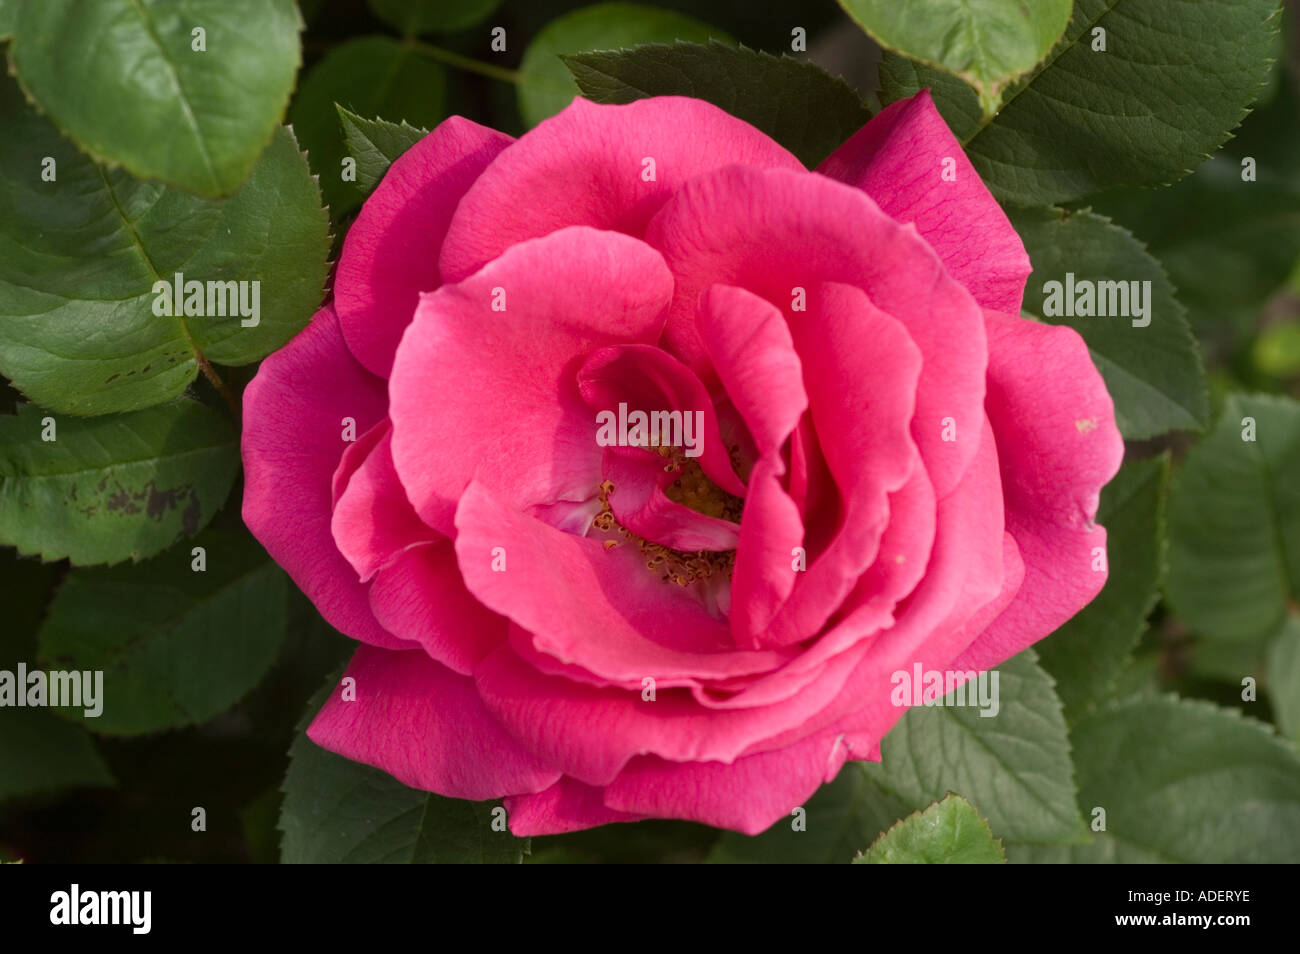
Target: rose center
(693,490)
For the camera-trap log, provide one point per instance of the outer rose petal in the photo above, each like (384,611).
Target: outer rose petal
(425,726)
(864,729)
(292,443)
(372,519)
(494,392)
(748,795)
(584,166)
(968,570)
(391,251)
(420,596)
(898,159)
(1058,447)
(568,805)
(591,733)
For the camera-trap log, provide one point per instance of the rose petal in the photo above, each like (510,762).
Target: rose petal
(1059,446)
(391,251)
(861,370)
(748,795)
(295,411)
(555,717)
(968,570)
(425,726)
(764,575)
(647,379)
(901,159)
(901,558)
(736,227)
(586,166)
(566,806)
(598,608)
(640,505)
(420,596)
(372,518)
(494,392)
(749,344)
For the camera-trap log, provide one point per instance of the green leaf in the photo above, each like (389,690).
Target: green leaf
(1182,781)
(79,258)
(141,96)
(257,820)
(1234,524)
(25,585)
(1153,372)
(341,812)
(376,144)
(1088,655)
(177,646)
(795,102)
(373,76)
(8,17)
(955,100)
(109,489)
(1175,78)
(838,820)
(987,43)
(1014,766)
(41,753)
(545,86)
(1227,243)
(1284,678)
(949,832)
(432,16)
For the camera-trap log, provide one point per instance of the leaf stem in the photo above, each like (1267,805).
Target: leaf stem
(214,379)
(463,62)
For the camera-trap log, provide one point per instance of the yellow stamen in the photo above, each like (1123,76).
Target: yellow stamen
(671,566)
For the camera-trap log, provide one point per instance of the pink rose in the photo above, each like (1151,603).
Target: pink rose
(601,631)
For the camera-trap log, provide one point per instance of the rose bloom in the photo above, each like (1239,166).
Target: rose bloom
(893,468)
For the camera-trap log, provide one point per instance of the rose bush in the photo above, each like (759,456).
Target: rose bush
(896,468)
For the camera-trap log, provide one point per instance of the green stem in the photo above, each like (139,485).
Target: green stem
(214,379)
(464,62)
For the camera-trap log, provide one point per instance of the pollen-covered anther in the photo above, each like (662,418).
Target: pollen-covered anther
(694,489)
(671,566)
